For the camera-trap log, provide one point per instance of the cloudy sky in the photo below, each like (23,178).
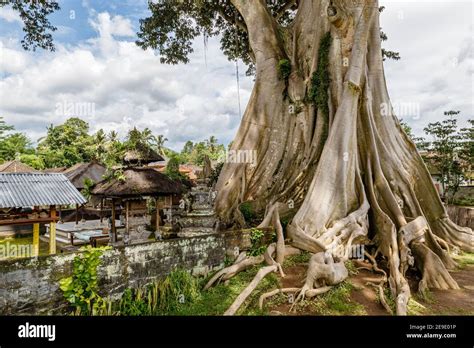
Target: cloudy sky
(99,73)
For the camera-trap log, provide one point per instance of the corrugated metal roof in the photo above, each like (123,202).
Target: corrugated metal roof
(22,190)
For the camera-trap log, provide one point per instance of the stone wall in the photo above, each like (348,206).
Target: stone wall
(462,216)
(31,286)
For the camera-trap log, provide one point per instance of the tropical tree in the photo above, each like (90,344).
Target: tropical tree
(326,154)
(4,128)
(12,145)
(66,144)
(195,153)
(160,144)
(37,26)
(444,152)
(467,145)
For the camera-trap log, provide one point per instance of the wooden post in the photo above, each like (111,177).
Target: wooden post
(127,224)
(77,214)
(52,230)
(36,236)
(114,230)
(101,209)
(157,204)
(36,229)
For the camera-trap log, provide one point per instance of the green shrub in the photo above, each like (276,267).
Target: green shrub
(247,211)
(161,297)
(80,289)
(256,239)
(284,69)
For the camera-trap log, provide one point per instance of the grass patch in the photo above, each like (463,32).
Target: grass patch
(301,258)
(427,296)
(388,298)
(22,246)
(464,260)
(351,268)
(415,308)
(337,301)
(218,299)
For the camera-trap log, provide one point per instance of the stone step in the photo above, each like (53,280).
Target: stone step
(198,221)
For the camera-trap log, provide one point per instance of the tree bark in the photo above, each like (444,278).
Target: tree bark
(352,177)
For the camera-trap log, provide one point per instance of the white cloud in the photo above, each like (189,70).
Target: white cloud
(7,13)
(108,26)
(12,61)
(436,66)
(117,85)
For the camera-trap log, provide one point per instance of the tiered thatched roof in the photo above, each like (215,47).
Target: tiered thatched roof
(139,181)
(141,155)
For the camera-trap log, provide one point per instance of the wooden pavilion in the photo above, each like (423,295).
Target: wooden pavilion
(133,185)
(132,189)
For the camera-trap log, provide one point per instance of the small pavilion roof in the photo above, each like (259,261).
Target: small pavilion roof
(23,190)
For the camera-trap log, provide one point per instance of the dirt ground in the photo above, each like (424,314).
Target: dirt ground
(359,298)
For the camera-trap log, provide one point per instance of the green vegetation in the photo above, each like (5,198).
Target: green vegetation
(163,297)
(450,153)
(81,288)
(301,258)
(413,306)
(351,268)
(247,211)
(19,245)
(465,259)
(284,69)
(318,92)
(195,153)
(172,169)
(179,294)
(69,143)
(256,238)
(218,299)
(88,185)
(337,301)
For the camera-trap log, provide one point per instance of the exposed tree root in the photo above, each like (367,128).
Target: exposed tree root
(431,267)
(269,294)
(380,286)
(323,272)
(229,272)
(248,290)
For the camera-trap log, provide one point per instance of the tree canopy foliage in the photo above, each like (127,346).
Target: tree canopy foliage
(450,151)
(37,26)
(173,25)
(72,142)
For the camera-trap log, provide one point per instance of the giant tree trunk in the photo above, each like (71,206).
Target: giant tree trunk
(352,174)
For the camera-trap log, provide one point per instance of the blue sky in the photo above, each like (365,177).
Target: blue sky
(97,70)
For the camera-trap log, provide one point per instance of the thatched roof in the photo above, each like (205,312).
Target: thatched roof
(141,155)
(54,170)
(15,167)
(79,172)
(138,182)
